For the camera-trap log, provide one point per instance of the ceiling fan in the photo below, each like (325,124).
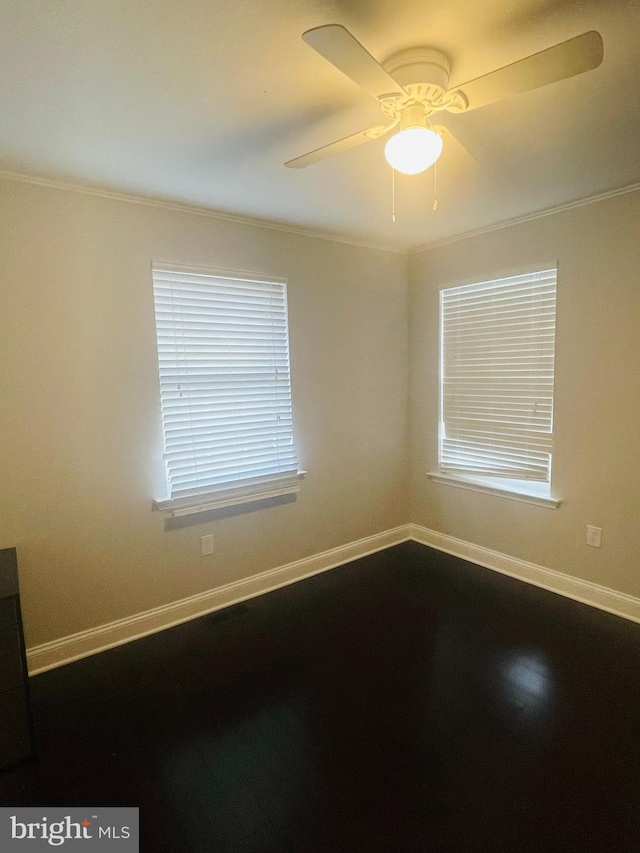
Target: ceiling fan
(413,85)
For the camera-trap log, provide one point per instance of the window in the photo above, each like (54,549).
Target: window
(223,358)
(497,342)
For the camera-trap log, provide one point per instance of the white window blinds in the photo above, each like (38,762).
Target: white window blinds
(223,355)
(497,370)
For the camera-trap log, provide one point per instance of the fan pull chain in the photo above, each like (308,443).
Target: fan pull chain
(393,195)
(436,205)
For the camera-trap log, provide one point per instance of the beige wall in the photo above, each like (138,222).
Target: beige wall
(79,413)
(79,420)
(596,469)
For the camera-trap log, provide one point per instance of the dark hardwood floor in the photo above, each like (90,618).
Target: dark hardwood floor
(406,702)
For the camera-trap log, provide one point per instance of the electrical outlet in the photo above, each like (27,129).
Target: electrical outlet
(594,536)
(206,544)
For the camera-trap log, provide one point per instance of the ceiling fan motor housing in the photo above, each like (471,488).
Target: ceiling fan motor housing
(423,72)
(419,64)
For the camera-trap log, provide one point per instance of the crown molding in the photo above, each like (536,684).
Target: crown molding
(256,222)
(529,217)
(197,210)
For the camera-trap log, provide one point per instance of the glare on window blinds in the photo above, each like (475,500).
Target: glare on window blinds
(224,380)
(497,363)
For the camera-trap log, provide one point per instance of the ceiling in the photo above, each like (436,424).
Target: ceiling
(203,101)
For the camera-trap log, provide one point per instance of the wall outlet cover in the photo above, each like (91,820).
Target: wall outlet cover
(206,544)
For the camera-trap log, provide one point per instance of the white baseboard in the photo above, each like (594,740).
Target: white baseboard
(75,646)
(586,592)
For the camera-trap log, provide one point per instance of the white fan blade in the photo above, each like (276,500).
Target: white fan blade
(340,145)
(454,152)
(579,54)
(341,49)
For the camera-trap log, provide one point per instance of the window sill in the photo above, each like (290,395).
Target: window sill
(231,497)
(490,489)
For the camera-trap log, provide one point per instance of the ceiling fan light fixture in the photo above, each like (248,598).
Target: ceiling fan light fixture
(413,150)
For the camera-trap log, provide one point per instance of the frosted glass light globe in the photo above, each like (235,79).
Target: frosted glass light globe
(413,150)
